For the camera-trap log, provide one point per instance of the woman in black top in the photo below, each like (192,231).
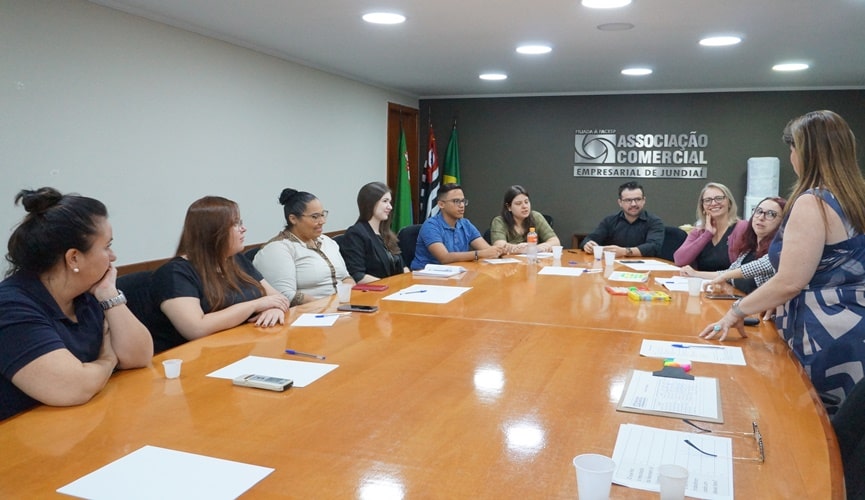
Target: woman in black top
(369,247)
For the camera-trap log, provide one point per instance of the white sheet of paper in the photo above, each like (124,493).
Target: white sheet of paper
(648,265)
(311,319)
(152,472)
(507,260)
(678,283)
(430,294)
(672,395)
(706,353)
(641,450)
(561,271)
(301,372)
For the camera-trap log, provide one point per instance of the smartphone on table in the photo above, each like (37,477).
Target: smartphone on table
(357,308)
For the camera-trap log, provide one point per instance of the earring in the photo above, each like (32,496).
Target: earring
(75,269)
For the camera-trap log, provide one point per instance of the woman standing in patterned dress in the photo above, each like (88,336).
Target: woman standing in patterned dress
(819,253)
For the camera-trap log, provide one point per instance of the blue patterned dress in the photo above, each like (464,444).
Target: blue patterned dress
(825,324)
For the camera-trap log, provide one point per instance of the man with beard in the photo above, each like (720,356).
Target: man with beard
(632,232)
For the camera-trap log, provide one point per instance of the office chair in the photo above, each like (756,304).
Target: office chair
(849,425)
(136,287)
(407,241)
(250,254)
(673,239)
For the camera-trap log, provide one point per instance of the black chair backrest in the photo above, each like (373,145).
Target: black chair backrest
(407,240)
(338,239)
(549,219)
(136,287)
(488,236)
(673,239)
(849,427)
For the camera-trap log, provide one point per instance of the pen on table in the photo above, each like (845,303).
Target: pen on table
(332,314)
(593,271)
(683,346)
(413,291)
(572,251)
(308,354)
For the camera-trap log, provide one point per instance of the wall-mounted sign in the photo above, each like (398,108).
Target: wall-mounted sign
(606,153)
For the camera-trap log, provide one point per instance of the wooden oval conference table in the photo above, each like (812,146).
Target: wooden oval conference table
(488,396)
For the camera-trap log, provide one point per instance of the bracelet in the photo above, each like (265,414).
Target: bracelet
(476,255)
(735,308)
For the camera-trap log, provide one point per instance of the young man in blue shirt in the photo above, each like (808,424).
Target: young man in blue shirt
(448,237)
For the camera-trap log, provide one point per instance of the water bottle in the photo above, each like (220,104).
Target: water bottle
(532,246)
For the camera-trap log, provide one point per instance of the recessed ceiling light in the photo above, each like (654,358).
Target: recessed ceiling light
(790,67)
(534,49)
(636,71)
(616,27)
(605,4)
(720,41)
(384,18)
(493,76)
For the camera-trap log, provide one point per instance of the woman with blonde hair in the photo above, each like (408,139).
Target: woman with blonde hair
(210,286)
(705,248)
(819,254)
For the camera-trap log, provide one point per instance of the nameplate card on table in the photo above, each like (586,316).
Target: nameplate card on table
(561,271)
(640,450)
(506,260)
(628,276)
(153,472)
(301,372)
(430,294)
(648,265)
(697,399)
(706,353)
(439,271)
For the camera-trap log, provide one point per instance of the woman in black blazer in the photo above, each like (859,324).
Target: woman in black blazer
(369,247)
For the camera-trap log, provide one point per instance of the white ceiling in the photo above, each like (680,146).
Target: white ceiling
(445,44)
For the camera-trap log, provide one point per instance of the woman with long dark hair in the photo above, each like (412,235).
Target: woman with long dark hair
(509,229)
(64,325)
(369,247)
(210,286)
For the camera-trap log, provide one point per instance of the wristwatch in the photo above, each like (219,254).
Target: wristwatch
(115,301)
(738,312)
(629,251)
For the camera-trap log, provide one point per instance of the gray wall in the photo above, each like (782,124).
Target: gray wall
(530,141)
(148,118)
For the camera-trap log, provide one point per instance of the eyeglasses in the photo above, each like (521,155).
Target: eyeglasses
(459,201)
(717,200)
(317,217)
(768,214)
(758,438)
(631,201)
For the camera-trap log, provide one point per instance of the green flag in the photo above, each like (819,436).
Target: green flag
(452,160)
(402,206)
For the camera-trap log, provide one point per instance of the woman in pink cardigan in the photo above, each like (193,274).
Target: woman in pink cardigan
(706,248)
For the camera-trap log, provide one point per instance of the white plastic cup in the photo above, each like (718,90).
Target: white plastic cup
(599,252)
(172,367)
(672,480)
(557,251)
(609,257)
(594,476)
(343,291)
(694,285)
